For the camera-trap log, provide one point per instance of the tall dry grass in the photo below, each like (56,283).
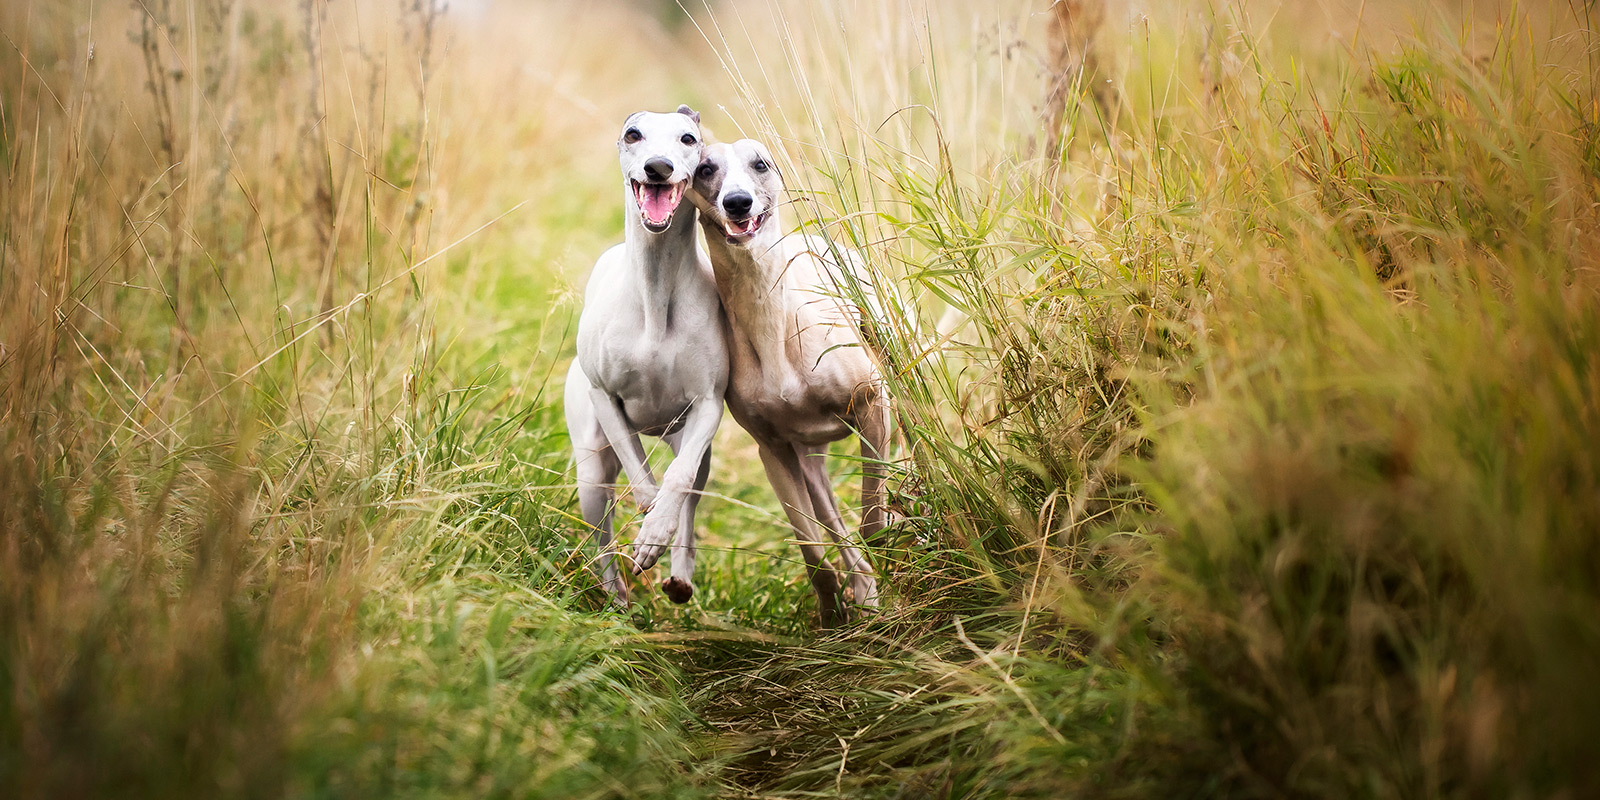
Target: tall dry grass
(1269,482)
(272,522)
(1242,453)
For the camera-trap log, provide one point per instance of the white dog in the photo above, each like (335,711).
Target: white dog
(651,356)
(801,377)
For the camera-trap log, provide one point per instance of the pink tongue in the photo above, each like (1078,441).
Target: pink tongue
(657,202)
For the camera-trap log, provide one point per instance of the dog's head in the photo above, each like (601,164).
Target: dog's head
(741,186)
(658,153)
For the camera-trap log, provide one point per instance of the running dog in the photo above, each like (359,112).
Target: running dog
(651,357)
(800,374)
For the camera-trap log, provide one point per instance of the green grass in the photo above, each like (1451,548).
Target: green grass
(1243,451)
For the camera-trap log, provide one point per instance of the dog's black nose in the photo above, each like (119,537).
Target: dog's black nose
(737,204)
(658,168)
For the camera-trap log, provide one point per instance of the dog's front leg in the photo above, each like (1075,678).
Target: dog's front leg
(825,509)
(625,443)
(662,521)
(679,587)
(788,482)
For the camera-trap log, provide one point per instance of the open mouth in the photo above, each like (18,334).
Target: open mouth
(657,201)
(737,229)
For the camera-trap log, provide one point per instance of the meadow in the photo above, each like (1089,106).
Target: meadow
(1244,426)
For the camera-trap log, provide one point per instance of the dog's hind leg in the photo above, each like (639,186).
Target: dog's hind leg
(814,471)
(597,470)
(788,482)
(597,466)
(874,431)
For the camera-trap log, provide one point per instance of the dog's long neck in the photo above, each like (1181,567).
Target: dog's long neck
(750,281)
(662,261)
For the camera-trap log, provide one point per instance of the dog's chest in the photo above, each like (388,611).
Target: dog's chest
(791,409)
(640,365)
(803,384)
(655,377)
(773,418)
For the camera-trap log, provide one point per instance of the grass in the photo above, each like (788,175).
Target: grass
(1242,441)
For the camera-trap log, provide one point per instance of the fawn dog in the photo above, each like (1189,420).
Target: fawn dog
(800,375)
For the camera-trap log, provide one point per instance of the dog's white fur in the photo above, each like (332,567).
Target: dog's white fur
(651,360)
(800,375)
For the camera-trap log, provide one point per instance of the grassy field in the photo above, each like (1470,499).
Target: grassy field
(1244,442)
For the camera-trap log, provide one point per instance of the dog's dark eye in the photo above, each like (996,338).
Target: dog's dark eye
(688,139)
(706,170)
(758,165)
(633,135)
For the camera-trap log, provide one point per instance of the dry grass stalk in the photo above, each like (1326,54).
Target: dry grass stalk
(1078,69)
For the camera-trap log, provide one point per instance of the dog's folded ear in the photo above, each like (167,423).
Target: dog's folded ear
(690,113)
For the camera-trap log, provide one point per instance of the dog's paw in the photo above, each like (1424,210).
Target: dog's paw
(654,536)
(678,590)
